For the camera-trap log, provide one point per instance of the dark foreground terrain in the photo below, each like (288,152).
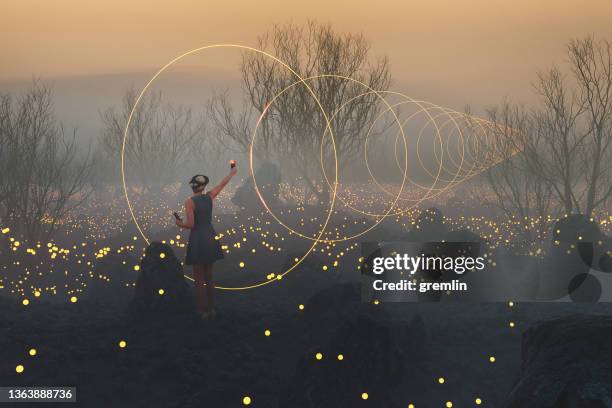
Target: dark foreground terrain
(395,353)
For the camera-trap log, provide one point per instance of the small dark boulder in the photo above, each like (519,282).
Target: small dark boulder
(161,289)
(268,178)
(429,226)
(575,228)
(566,363)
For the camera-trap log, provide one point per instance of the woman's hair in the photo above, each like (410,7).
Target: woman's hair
(198,182)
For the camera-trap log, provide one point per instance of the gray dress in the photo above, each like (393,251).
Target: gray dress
(203,248)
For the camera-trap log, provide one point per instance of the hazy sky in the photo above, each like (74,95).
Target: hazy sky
(479,49)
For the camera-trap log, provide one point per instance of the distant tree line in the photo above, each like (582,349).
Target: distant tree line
(554,158)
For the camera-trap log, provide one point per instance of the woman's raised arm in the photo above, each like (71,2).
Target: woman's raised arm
(217,189)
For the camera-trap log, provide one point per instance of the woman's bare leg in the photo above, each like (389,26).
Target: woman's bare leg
(199,280)
(210,286)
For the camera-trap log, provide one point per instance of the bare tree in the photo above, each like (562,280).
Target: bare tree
(591,62)
(520,190)
(564,159)
(576,121)
(43,174)
(557,122)
(160,138)
(294,124)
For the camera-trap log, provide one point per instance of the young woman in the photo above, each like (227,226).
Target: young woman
(203,249)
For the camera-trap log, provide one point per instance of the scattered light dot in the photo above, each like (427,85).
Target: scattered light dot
(449,404)
(478,401)
(441,380)
(246,400)
(324,267)
(511,324)
(364,396)
(32,352)
(241,264)
(267,333)
(122,344)
(340,357)
(318,356)
(162,255)
(161,292)
(411,406)
(136,268)
(73,299)
(25,302)
(301,307)
(19,369)
(492,359)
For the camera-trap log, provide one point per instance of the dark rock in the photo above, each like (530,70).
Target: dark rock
(566,363)
(268,179)
(429,226)
(462,235)
(575,228)
(160,273)
(577,245)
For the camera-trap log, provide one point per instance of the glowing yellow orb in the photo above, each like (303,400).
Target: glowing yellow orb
(241,264)
(246,400)
(478,401)
(32,352)
(267,332)
(122,344)
(340,357)
(73,299)
(25,302)
(301,307)
(162,255)
(441,380)
(364,396)
(318,356)
(492,359)
(136,268)
(161,292)
(449,404)
(19,369)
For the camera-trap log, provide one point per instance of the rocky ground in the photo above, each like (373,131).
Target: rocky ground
(305,342)
(396,353)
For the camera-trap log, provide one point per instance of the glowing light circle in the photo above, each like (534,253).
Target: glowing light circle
(126,132)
